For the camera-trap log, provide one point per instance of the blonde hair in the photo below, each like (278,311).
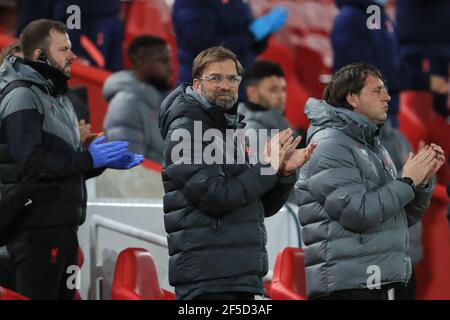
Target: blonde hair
(12,49)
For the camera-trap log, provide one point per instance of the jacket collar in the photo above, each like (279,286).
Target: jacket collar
(58,79)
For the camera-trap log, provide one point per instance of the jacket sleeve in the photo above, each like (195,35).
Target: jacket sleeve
(28,145)
(210,187)
(195,24)
(336,183)
(123,122)
(276,197)
(417,208)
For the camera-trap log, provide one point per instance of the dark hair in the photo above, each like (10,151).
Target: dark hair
(261,69)
(349,79)
(36,35)
(211,55)
(144,41)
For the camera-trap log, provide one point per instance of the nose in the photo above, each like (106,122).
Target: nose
(225,84)
(386,97)
(72,56)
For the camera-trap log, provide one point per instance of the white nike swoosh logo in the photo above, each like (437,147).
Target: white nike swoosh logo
(29,201)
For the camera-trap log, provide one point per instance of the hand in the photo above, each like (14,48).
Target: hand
(85,130)
(281,13)
(127,161)
(272,22)
(295,158)
(273,149)
(91,137)
(440,160)
(424,164)
(105,153)
(86,136)
(438,84)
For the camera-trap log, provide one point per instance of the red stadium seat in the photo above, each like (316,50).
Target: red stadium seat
(7,294)
(93,79)
(289,281)
(433,278)
(135,277)
(411,126)
(420,103)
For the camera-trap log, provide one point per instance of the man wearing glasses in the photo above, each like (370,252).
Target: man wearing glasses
(215,210)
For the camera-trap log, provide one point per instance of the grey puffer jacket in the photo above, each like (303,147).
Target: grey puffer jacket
(133,114)
(353,212)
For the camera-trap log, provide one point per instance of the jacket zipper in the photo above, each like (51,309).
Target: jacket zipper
(217,224)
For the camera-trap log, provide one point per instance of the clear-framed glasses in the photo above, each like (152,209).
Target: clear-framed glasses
(218,79)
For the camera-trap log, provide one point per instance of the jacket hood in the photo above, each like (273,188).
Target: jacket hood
(126,81)
(15,68)
(166,113)
(322,115)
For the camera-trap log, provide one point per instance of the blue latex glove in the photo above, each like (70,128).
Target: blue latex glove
(272,22)
(281,18)
(127,161)
(103,153)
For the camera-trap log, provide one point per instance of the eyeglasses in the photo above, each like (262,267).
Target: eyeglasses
(218,79)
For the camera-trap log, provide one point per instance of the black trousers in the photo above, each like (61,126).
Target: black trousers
(407,292)
(41,258)
(226,296)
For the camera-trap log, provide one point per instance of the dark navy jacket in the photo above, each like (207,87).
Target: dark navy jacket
(423,28)
(353,42)
(201,24)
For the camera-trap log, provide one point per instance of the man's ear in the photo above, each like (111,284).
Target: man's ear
(352,100)
(196,85)
(36,54)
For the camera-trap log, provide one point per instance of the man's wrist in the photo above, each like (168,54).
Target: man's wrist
(285,173)
(408,181)
(425,184)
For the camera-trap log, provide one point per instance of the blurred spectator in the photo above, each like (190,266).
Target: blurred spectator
(265,87)
(98,42)
(201,24)
(135,95)
(353,42)
(424,41)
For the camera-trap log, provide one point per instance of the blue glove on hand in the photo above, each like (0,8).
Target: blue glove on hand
(104,153)
(272,22)
(127,161)
(281,14)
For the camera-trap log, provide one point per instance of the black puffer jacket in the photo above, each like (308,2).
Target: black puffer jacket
(214,214)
